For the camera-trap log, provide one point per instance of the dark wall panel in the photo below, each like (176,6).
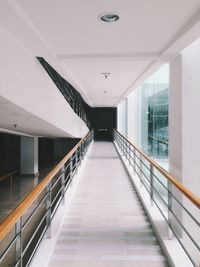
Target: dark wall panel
(63,145)
(103,121)
(53,150)
(9,153)
(45,152)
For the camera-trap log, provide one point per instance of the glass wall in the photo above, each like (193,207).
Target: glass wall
(148,116)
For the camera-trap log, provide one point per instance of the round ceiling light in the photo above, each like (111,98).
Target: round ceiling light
(109,17)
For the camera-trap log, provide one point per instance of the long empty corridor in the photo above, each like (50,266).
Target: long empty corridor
(105,225)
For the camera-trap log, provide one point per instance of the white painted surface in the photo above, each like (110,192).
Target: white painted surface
(122,117)
(190,122)
(134,118)
(28,155)
(191,130)
(70,36)
(175,133)
(24,84)
(175,118)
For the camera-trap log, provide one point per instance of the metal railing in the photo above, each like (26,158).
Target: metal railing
(178,206)
(74,99)
(23,229)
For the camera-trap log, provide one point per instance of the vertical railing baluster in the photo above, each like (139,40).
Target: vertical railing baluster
(48,208)
(63,184)
(151,183)
(76,159)
(141,167)
(134,160)
(71,169)
(18,246)
(170,216)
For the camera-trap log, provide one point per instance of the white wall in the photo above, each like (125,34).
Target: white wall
(25,83)
(175,133)
(134,120)
(184,131)
(191,130)
(191,112)
(122,117)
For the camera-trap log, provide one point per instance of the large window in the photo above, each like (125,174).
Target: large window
(148,116)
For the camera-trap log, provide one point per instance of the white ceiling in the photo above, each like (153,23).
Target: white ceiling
(26,123)
(148,34)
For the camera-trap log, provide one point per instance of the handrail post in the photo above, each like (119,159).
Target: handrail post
(71,169)
(76,159)
(48,207)
(121,144)
(129,154)
(141,165)
(126,149)
(63,184)
(134,159)
(151,183)
(18,246)
(80,154)
(170,216)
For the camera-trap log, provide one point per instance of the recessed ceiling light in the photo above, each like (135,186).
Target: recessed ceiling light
(109,17)
(105,74)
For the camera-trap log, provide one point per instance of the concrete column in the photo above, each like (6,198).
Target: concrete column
(133,118)
(122,117)
(191,133)
(175,131)
(29,155)
(184,132)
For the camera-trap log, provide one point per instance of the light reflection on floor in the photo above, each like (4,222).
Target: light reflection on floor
(22,185)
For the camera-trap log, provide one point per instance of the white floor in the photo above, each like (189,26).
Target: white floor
(105,225)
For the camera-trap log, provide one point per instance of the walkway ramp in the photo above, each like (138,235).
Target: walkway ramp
(105,225)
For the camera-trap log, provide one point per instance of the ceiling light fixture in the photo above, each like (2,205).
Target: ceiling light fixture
(106,74)
(109,17)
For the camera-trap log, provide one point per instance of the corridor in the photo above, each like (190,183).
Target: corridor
(105,225)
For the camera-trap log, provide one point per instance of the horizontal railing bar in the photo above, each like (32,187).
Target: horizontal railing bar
(56,207)
(158,194)
(10,220)
(34,234)
(189,194)
(67,177)
(8,175)
(158,180)
(175,234)
(8,248)
(67,185)
(187,211)
(58,180)
(185,230)
(33,212)
(147,178)
(66,167)
(36,246)
(59,192)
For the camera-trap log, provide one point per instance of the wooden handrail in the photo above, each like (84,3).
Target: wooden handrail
(8,175)
(7,224)
(189,194)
